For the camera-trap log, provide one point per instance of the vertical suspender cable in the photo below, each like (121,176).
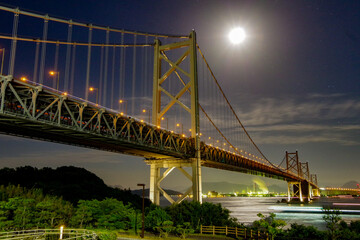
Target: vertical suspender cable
(87,85)
(36,62)
(68,55)
(142,78)
(106,67)
(146,69)
(133,80)
(101,74)
(56,60)
(43,50)
(122,69)
(72,75)
(13,43)
(112,78)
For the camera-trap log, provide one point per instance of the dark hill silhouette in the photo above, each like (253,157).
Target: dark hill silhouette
(351,184)
(70,183)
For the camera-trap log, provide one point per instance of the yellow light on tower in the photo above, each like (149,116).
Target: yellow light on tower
(52,73)
(144,111)
(65,93)
(91,89)
(178,124)
(24,79)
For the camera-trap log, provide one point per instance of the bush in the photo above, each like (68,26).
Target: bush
(155,217)
(200,214)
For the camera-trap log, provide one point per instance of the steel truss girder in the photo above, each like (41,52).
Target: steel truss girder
(30,104)
(29,110)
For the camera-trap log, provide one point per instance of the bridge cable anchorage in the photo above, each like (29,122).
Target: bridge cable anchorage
(80,24)
(231,108)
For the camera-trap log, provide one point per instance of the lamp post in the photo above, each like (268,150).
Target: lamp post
(56,76)
(2,60)
(143,210)
(91,89)
(121,102)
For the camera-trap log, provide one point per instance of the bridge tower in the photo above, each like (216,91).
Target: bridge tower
(314,191)
(191,86)
(293,165)
(305,186)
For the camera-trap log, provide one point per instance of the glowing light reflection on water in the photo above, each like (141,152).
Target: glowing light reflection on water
(245,209)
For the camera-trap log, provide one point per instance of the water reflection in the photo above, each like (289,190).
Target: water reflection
(245,209)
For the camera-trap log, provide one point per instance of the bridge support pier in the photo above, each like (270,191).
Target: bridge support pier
(305,190)
(156,177)
(295,191)
(316,192)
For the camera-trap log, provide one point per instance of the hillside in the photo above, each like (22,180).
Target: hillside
(70,183)
(351,184)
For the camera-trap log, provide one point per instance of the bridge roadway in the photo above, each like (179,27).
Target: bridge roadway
(35,111)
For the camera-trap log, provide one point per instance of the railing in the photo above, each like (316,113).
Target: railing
(243,233)
(76,234)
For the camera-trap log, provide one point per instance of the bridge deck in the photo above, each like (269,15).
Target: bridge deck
(33,111)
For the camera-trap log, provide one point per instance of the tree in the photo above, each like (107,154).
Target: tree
(165,229)
(155,217)
(297,231)
(200,214)
(184,230)
(269,224)
(332,220)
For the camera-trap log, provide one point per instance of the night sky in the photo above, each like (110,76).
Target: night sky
(294,82)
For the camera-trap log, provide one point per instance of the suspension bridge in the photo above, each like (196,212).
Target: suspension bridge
(144,94)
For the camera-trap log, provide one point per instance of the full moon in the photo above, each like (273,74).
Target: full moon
(237,35)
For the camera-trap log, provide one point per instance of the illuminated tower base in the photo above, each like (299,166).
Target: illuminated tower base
(170,164)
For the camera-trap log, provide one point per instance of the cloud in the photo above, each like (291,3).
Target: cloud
(274,111)
(63,157)
(320,95)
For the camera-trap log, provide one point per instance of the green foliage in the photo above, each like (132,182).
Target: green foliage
(200,214)
(155,217)
(106,235)
(107,214)
(269,224)
(25,209)
(297,231)
(332,219)
(70,183)
(165,229)
(184,230)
